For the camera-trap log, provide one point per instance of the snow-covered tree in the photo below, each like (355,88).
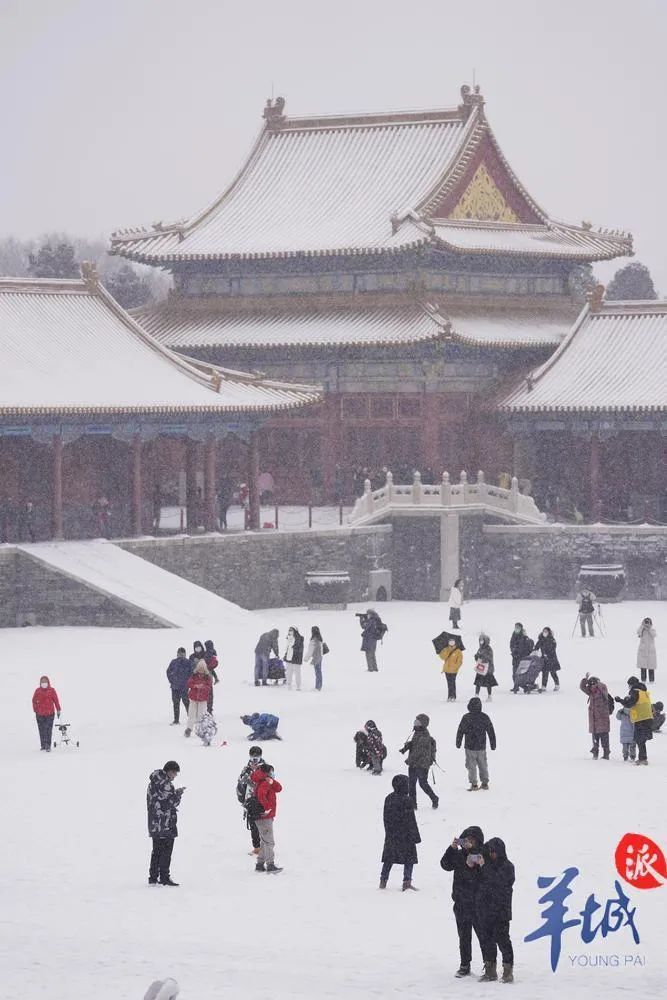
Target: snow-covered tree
(633,281)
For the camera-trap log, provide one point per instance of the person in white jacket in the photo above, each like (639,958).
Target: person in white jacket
(455,602)
(647,660)
(293,657)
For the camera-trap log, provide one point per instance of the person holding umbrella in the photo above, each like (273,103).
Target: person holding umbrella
(450,650)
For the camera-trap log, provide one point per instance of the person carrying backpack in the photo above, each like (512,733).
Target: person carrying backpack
(421,750)
(372,632)
(264,814)
(586,602)
(245,790)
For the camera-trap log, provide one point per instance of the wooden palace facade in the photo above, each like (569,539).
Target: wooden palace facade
(397,260)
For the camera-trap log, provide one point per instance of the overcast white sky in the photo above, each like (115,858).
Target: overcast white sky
(123,112)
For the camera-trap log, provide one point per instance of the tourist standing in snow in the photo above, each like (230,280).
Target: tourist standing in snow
(266,789)
(455,602)
(26,521)
(401,833)
(315,654)
(463,857)
(421,750)
(211,660)
(641,715)
(162,802)
(494,911)
(586,603)
(178,675)
(627,734)
(598,714)
(45,705)
(267,644)
(474,727)
(521,646)
(546,643)
(484,669)
(452,658)
(374,746)
(197,654)
(245,791)
(372,632)
(199,688)
(293,657)
(646,656)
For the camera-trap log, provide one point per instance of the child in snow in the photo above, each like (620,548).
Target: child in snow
(475,725)
(263,725)
(199,688)
(484,670)
(627,734)
(375,747)
(45,704)
(658,716)
(598,714)
(206,729)
(266,789)
(452,658)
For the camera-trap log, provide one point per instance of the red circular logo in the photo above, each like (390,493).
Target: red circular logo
(640,862)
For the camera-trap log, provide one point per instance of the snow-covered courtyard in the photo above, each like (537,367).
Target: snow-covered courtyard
(79,920)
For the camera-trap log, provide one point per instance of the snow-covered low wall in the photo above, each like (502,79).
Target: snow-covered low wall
(544,560)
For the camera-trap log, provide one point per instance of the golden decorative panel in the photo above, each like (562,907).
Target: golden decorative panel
(483,201)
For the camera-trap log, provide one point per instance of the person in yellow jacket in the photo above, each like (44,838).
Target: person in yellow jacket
(452,658)
(638,701)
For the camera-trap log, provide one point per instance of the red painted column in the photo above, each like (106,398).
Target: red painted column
(57,486)
(332,439)
(431,453)
(191,504)
(136,484)
(253,476)
(594,476)
(211,519)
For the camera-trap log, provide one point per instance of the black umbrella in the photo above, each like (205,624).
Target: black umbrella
(442,640)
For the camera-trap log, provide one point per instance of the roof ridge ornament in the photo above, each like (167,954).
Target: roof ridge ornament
(471,97)
(89,275)
(273,113)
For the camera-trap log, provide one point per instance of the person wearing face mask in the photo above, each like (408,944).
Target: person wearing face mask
(452,658)
(45,705)
(293,657)
(546,643)
(266,790)
(521,646)
(245,790)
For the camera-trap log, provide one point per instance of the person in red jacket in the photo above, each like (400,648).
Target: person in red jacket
(200,686)
(45,704)
(266,789)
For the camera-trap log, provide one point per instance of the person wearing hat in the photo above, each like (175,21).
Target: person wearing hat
(245,790)
(521,646)
(598,714)
(638,701)
(45,704)
(646,656)
(658,716)
(421,749)
(178,675)
(475,726)
(162,802)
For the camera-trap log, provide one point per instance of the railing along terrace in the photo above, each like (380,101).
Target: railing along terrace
(446,495)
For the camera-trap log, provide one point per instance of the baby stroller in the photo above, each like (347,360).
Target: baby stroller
(276,671)
(65,738)
(527,673)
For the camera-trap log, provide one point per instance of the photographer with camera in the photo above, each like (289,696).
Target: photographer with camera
(464,858)
(372,632)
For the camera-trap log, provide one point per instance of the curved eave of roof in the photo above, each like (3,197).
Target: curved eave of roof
(42,411)
(628,408)
(615,247)
(352,251)
(513,345)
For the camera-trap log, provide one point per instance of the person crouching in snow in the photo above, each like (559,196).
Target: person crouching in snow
(266,789)
(263,725)
(627,734)
(494,911)
(376,749)
(452,658)
(199,688)
(598,714)
(206,729)
(474,727)
(658,716)
(484,669)
(45,704)
(401,833)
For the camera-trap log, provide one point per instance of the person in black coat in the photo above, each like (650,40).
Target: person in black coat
(401,833)
(546,643)
(372,631)
(463,857)
(638,701)
(421,750)
(475,726)
(521,646)
(494,910)
(178,674)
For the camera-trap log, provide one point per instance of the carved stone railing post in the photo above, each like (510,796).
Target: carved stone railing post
(464,486)
(389,487)
(481,487)
(417,488)
(514,494)
(445,490)
(368,497)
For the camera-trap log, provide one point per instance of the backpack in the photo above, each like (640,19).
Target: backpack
(586,606)
(610,704)
(254,808)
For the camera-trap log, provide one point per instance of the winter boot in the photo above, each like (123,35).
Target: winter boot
(508,973)
(556,688)
(463,971)
(169,881)
(490,973)
(273,869)
(485,786)
(383,883)
(259,867)
(489,695)
(408,885)
(605,756)
(435,802)
(473,788)
(175,722)
(187,732)
(638,763)
(594,753)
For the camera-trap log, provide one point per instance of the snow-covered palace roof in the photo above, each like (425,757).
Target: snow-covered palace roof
(614,359)
(371,184)
(67,347)
(183,327)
